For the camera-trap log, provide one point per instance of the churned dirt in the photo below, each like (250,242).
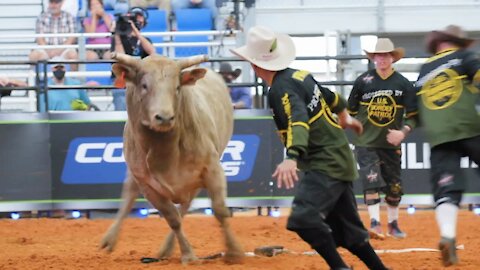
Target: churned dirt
(47,243)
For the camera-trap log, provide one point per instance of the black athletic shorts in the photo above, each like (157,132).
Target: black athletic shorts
(446,174)
(329,205)
(379,168)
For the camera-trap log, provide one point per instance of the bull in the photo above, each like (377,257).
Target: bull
(180,120)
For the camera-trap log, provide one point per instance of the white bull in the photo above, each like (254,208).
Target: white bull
(179,122)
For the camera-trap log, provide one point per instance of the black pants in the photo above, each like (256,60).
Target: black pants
(327,204)
(447,177)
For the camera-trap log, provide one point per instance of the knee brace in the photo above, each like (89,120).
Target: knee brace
(453,197)
(371,197)
(393,193)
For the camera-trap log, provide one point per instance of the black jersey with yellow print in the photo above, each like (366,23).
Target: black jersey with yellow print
(302,111)
(447,96)
(381,104)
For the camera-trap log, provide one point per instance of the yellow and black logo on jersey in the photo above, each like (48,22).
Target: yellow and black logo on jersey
(442,91)
(382,109)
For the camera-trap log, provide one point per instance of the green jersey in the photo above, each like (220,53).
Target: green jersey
(303,112)
(381,104)
(447,96)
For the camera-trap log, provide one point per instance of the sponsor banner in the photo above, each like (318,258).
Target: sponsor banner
(24,157)
(88,159)
(100,160)
(80,156)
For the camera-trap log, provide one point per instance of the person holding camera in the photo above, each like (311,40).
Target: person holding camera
(128,40)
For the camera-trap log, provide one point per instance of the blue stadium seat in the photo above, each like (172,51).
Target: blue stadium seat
(104,80)
(193,19)
(157,22)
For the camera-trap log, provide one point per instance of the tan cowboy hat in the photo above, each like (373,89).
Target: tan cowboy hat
(385,45)
(451,33)
(266,49)
(226,68)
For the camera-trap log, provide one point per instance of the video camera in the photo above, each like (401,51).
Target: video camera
(123,26)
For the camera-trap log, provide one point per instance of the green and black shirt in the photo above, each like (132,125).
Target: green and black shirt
(447,95)
(303,112)
(381,104)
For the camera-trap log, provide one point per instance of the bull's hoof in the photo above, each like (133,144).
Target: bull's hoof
(234,257)
(107,244)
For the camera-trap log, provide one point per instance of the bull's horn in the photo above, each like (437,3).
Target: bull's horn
(124,59)
(191,61)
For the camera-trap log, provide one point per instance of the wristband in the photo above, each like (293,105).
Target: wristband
(292,154)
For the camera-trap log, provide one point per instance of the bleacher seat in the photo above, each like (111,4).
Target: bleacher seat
(193,19)
(103,80)
(157,22)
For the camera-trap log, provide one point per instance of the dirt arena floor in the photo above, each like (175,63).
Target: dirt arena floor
(48,243)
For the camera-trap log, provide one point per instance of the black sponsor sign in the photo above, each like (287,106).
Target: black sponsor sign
(77,157)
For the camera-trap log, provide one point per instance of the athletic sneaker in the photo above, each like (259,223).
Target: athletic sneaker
(375,231)
(394,230)
(448,251)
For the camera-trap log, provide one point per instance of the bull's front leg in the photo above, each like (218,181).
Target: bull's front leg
(168,245)
(216,186)
(174,220)
(130,192)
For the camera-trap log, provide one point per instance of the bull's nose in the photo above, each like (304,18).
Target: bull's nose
(164,119)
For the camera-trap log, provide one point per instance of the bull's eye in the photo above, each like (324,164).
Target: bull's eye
(144,86)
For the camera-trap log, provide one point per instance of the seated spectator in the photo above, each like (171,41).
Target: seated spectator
(160,4)
(55,21)
(241,97)
(210,4)
(98,22)
(7,82)
(130,41)
(64,100)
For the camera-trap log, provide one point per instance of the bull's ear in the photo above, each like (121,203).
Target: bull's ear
(122,73)
(189,77)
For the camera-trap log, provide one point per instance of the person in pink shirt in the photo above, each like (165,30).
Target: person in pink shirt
(99,21)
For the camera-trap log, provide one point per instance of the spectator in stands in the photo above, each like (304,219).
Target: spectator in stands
(241,97)
(64,100)
(55,21)
(98,22)
(160,4)
(210,4)
(130,41)
(7,82)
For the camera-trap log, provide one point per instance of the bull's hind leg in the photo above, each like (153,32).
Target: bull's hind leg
(168,245)
(174,220)
(216,186)
(130,192)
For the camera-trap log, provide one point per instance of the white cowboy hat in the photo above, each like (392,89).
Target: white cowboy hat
(385,45)
(266,49)
(451,33)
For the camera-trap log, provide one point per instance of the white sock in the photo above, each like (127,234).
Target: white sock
(392,212)
(446,214)
(374,211)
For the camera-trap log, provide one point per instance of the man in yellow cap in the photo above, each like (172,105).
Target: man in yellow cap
(324,210)
(380,98)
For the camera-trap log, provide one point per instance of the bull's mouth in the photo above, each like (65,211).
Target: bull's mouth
(158,127)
